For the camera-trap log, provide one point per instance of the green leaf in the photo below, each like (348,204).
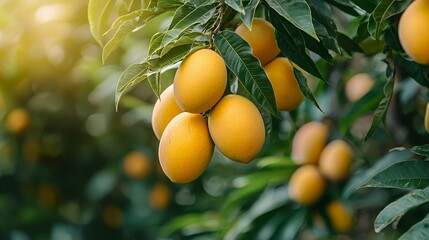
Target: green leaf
(237,5)
(395,210)
(154,82)
(302,82)
(378,21)
(176,54)
(421,150)
(418,72)
(270,199)
(296,12)
(122,32)
(99,12)
(345,6)
(294,225)
(381,111)
(292,44)
(186,17)
(420,230)
(360,178)
(402,175)
(364,105)
(192,223)
(238,57)
(249,12)
(134,74)
(348,44)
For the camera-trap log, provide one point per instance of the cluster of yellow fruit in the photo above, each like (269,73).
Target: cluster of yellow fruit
(187,137)
(411,30)
(193,116)
(320,163)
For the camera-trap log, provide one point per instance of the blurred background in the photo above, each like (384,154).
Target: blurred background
(71,167)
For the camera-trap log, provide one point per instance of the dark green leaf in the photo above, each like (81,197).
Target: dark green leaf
(292,45)
(403,175)
(198,223)
(378,21)
(368,5)
(421,150)
(237,5)
(249,12)
(270,199)
(294,225)
(345,6)
(395,210)
(306,91)
(381,111)
(296,12)
(360,178)
(418,72)
(348,44)
(419,230)
(238,57)
(99,12)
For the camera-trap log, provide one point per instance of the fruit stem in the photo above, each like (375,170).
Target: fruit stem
(217,23)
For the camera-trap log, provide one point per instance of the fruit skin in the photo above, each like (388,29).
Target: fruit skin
(18,121)
(306,185)
(160,196)
(336,160)
(261,39)
(341,218)
(237,128)
(412,31)
(358,85)
(427,118)
(286,89)
(165,109)
(185,148)
(200,81)
(308,142)
(136,165)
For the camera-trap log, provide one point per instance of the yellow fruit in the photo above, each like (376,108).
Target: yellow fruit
(237,128)
(285,86)
(308,143)
(165,109)
(112,216)
(357,86)
(160,196)
(136,165)
(336,160)
(413,31)
(427,118)
(17,121)
(185,148)
(200,81)
(341,218)
(306,185)
(261,39)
